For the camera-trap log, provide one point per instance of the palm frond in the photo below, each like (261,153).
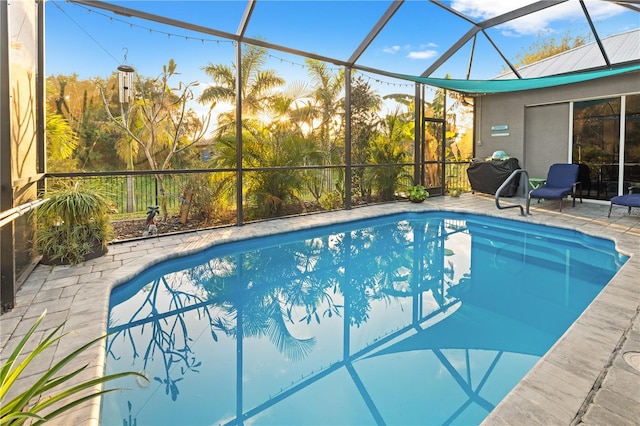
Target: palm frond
(20,408)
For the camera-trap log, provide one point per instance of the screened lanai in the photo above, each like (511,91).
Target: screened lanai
(337,103)
(455,39)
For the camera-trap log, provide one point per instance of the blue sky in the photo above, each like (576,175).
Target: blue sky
(91,42)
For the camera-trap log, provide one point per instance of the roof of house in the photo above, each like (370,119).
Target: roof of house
(621,48)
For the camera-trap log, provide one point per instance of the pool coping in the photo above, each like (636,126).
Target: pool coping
(557,390)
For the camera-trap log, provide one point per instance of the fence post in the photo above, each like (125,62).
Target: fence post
(131,202)
(184,206)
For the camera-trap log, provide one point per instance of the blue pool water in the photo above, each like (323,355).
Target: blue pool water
(409,319)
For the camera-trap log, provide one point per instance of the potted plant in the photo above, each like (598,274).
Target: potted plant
(73,224)
(418,193)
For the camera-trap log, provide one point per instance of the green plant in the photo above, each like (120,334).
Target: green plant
(386,179)
(211,195)
(455,192)
(418,193)
(40,402)
(274,191)
(73,224)
(331,200)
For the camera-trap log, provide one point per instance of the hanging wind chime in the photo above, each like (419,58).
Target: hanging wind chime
(125,81)
(125,96)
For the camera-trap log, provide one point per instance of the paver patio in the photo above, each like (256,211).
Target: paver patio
(583,379)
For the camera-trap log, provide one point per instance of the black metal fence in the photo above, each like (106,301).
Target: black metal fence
(212,193)
(135,193)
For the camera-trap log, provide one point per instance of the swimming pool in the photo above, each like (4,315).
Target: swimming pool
(408,319)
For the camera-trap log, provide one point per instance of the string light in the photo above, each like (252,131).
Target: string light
(336,69)
(234,43)
(371,78)
(151,30)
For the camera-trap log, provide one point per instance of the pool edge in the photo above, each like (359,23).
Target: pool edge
(528,403)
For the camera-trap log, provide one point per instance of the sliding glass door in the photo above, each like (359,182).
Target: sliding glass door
(631,173)
(598,146)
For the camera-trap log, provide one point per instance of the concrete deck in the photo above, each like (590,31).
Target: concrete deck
(583,379)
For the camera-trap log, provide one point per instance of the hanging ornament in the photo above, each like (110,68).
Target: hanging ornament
(125,81)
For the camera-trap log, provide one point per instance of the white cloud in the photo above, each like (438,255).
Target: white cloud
(535,23)
(423,54)
(392,50)
(485,9)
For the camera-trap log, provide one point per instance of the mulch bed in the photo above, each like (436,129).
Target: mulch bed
(125,230)
(133,229)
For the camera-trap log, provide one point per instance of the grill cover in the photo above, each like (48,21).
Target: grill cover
(487,175)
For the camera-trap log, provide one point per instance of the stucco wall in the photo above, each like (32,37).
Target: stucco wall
(539,120)
(546,133)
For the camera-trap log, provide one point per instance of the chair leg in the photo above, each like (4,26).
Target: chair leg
(611,207)
(574,199)
(560,204)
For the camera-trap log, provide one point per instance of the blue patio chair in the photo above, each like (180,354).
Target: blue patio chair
(562,180)
(628,200)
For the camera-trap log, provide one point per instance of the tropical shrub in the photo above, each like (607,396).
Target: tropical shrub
(275,191)
(211,195)
(386,179)
(331,200)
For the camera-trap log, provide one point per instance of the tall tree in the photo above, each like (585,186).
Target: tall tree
(547,46)
(160,122)
(393,145)
(365,104)
(328,125)
(79,103)
(257,86)
(329,99)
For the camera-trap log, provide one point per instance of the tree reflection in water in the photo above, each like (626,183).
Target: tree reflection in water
(168,336)
(325,311)
(273,290)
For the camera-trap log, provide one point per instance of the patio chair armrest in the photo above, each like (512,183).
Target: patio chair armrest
(574,192)
(575,187)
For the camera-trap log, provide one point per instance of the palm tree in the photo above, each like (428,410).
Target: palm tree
(290,111)
(61,140)
(256,86)
(397,129)
(328,98)
(277,130)
(269,191)
(392,145)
